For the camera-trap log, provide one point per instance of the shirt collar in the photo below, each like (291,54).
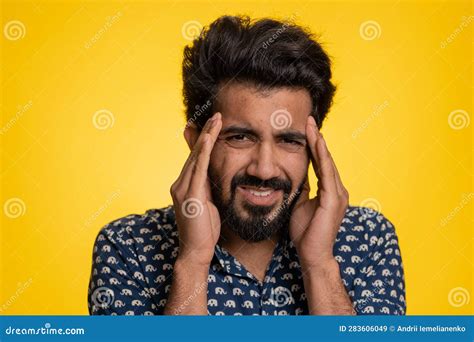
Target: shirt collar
(229,264)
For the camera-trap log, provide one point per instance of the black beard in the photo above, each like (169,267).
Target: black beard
(258,226)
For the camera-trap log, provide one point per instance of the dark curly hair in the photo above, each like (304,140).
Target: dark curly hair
(266,53)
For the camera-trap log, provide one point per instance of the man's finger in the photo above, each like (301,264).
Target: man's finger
(304,196)
(199,177)
(312,138)
(337,178)
(188,167)
(324,168)
(340,186)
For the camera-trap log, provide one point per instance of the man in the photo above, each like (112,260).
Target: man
(243,236)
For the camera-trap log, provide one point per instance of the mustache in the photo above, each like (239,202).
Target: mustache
(248,180)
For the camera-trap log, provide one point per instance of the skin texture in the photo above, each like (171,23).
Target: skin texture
(267,150)
(267,157)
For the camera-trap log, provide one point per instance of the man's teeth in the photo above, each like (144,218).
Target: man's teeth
(260,193)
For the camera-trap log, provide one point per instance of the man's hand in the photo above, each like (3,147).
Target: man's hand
(199,227)
(196,216)
(313,229)
(315,223)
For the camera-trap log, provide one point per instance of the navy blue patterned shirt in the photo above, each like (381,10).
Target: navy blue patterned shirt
(133,262)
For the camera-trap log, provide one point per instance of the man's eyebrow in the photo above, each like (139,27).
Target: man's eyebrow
(238,130)
(288,134)
(291,135)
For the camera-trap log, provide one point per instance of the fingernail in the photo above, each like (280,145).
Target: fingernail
(213,122)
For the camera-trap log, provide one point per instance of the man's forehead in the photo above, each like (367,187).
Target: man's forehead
(249,107)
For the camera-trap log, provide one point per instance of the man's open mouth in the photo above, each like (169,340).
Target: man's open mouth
(259,196)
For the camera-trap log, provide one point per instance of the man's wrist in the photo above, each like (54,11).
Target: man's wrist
(189,289)
(326,265)
(321,263)
(325,290)
(190,270)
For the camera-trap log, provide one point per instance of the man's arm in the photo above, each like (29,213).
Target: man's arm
(188,295)
(325,291)
(380,287)
(117,286)
(313,228)
(198,224)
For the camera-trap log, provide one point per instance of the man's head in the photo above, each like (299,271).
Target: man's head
(266,78)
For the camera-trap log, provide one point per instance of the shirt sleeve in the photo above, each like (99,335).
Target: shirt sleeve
(380,287)
(117,285)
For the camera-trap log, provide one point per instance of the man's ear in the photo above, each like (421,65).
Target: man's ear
(191,135)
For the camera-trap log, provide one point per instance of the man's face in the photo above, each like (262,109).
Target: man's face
(259,163)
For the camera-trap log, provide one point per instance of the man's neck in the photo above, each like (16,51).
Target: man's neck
(254,256)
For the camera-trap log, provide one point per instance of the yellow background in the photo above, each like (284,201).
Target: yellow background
(388,131)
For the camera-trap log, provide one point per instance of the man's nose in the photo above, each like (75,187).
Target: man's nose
(265,163)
